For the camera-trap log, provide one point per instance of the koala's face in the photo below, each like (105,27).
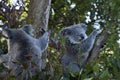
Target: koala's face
(75,34)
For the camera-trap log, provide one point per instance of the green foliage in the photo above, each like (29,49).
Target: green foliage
(68,12)
(107,66)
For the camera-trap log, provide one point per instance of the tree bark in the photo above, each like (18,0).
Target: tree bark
(38,16)
(97,46)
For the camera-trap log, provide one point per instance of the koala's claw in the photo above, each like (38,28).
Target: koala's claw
(98,31)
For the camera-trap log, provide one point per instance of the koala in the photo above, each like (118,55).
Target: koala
(75,33)
(28,29)
(24,51)
(69,59)
(78,46)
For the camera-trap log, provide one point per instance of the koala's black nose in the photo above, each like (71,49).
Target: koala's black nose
(82,37)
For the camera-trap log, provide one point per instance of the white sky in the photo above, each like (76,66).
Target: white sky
(13,1)
(72,5)
(0,29)
(96,25)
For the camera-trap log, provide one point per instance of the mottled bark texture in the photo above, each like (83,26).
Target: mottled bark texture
(97,46)
(38,16)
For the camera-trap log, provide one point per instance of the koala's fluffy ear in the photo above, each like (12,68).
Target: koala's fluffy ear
(28,29)
(65,31)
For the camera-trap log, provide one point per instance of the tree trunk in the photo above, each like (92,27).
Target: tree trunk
(97,46)
(38,16)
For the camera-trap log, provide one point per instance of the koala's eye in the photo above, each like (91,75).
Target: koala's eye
(69,32)
(81,36)
(66,32)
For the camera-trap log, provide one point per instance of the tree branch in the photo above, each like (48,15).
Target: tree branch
(97,46)
(38,15)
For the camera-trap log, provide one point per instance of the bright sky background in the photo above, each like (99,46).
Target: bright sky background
(96,24)
(0,29)
(13,1)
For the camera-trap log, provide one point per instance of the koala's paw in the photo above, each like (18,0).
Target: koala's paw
(98,31)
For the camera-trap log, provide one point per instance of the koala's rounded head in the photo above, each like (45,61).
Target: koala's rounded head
(17,37)
(16,33)
(75,33)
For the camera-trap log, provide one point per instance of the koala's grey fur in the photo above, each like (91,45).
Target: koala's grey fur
(78,45)
(28,29)
(75,33)
(69,59)
(24,51)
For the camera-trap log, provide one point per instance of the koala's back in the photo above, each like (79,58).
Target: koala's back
(23,51)
(23,43)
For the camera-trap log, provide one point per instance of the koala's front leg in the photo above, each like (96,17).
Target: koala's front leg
(4,58)
(44,41)
(87,45)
